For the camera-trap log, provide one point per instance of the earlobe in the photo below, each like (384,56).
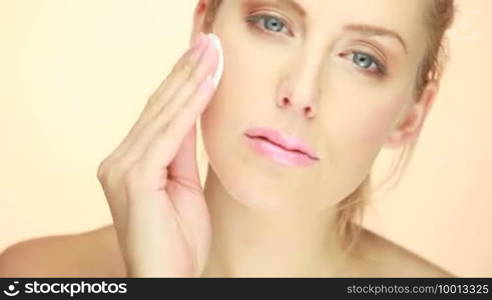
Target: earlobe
(202,6)
(412,122)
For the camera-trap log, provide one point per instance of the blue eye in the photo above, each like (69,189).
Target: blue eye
(365,61)
(269,22)
(274,24)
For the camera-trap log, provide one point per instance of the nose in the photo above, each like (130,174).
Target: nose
(306,109)
(300,94)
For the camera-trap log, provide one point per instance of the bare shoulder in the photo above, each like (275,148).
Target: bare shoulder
(387,259)
(93,253)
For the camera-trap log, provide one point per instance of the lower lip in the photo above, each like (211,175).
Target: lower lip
(278,154)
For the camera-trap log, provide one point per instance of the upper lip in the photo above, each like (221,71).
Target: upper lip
(284,141)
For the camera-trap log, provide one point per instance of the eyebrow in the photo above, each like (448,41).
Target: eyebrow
(295,6)
(375,30)
(366,29)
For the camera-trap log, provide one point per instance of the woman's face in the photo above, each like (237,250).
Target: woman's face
(358,85)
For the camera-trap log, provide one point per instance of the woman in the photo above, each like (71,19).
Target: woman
(311,92)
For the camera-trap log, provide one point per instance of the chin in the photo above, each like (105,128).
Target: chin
(248,184)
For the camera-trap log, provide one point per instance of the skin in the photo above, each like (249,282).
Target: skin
(260,227)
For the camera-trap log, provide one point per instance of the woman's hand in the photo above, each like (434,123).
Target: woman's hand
(151,180)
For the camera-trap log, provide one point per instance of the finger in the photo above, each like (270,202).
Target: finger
(178,66)
(187,82)
(180,72)
(149,217)
(184,167)
(168,112)
(186,193)
(183,185)
(188,88)
(165,145)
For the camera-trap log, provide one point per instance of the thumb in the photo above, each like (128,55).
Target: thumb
(184,168)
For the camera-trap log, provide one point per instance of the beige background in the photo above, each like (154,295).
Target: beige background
(74,76)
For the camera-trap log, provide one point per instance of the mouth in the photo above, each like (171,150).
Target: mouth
(280,147)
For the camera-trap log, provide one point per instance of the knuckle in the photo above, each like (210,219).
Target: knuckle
(109,172)
(178,63)
(161,88)
(177,67)
(186,91)
(190,185)
(156,97)
(130,175)
(188,68)
(185,59)
(102,170)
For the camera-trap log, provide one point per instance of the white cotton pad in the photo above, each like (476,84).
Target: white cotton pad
(220,67)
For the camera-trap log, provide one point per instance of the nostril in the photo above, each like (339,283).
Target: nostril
(285,101)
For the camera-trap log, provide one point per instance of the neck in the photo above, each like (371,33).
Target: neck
(248,242)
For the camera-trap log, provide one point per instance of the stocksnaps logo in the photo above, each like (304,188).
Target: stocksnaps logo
(11,290)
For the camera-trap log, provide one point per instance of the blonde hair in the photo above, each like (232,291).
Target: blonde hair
(438,19)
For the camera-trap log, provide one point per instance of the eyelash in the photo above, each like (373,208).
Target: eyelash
(381,70)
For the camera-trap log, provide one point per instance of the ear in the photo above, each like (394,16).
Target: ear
(413,118)
(199,18)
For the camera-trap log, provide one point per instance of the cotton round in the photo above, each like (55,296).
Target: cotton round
(220,67)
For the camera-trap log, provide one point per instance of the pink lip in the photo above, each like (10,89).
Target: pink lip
(280,147)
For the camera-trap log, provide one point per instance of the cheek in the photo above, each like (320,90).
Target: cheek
(354,135)
(373,125)
(236,100)
(357,129)
(239,97)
